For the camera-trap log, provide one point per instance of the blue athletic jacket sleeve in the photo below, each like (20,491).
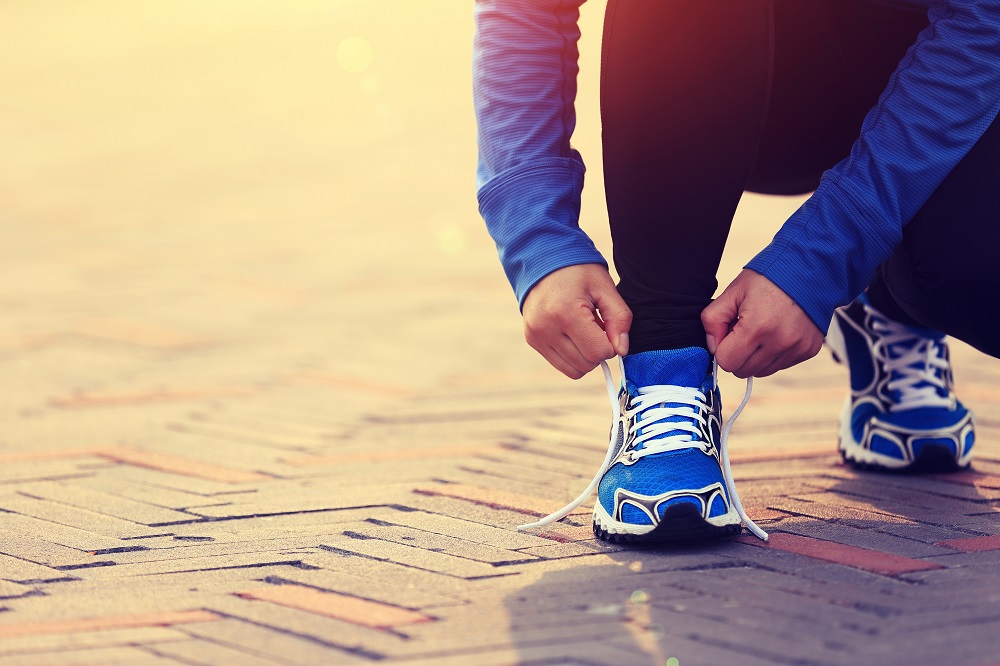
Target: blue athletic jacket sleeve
(529,179)
(938,103)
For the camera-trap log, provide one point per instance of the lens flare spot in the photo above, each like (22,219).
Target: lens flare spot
(451,240)
(355,54)
(673,661)
(639,598)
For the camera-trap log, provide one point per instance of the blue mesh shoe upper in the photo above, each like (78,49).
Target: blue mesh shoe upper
(639,491)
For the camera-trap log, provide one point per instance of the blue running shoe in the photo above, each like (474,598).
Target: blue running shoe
(665,481)
(902,413)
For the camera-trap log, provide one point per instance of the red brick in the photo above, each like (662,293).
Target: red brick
(340,606)
(182,466)
(852,556)
(972,544)
(106,623)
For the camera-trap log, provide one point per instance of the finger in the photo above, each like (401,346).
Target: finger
(589,341)
(556,360)
(757,359)
(572,354)
(765,362)
(736,349)
(719,318)
(792,356)
(617,318)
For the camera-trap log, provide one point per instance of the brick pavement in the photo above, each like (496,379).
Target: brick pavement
(266,400)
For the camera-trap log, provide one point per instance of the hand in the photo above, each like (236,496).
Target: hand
(755,329)
(561,320)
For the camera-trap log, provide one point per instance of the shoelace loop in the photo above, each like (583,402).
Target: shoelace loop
(655,396)
(649,432)
(914,362)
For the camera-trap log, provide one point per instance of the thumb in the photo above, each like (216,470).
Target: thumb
(616,316)
(720,315)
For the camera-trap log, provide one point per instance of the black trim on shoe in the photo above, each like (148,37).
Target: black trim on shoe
(680,524)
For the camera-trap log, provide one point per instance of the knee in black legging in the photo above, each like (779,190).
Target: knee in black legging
(950,287)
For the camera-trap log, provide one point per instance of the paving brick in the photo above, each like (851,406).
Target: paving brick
(352,609)
(297,499)
(62,535)
(860,558)
(471,550)
(428,560)
(15,647)
(181,466)
(497,499)
(70,516)
(864,536)
(140,398)
(100,502)
(208,653)
(320,629)
(107,623)
(289,557)
(389,586)
(96,657)
(464,529)
(972,544)
(264,641)
(16,569)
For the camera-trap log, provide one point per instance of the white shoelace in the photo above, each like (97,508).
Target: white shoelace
(654,425)
(914,362)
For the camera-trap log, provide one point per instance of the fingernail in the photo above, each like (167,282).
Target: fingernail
(623,344)
(710,340)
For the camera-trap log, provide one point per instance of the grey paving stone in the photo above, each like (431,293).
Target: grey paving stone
(62,535)
(384,586)
(14,647)
(326,631)
(16,569)
(273,501)
(288,557)
(864,538)
(464,529)
(419,558)
(69,516)
(101,502)
(454,546)
(118,656)
(209,653)
(283,647)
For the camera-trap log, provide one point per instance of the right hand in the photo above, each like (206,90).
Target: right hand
(575,318)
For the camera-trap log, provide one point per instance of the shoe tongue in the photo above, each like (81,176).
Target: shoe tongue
(672,367)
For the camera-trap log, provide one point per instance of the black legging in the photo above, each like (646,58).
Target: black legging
(703,99)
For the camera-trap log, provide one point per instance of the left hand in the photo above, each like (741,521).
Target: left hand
(755,329)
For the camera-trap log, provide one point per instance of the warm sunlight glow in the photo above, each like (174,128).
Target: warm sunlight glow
(355,54)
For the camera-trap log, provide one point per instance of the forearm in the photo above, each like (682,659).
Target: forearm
(529,178)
